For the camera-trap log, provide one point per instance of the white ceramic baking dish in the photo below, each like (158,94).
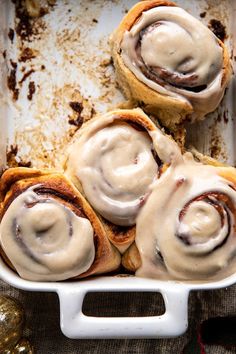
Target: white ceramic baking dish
(38,122)
(74,324)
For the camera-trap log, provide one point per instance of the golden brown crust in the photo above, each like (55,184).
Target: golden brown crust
(228,173)
(121,236)
(205,159)
(227,70)
(136,11)
(135,115)
(169,110)
(131,259)
(55,185)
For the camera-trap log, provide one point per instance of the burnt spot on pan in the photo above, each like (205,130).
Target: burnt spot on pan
(26,54)
(218,29)
(203,14)
(26,75)
(76,106)
(29,23)
(31,90)
(11,34)
(12,82)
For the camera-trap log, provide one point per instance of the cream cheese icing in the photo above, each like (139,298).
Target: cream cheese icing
(45,240)
(115,165)
(180,52)
(185,230)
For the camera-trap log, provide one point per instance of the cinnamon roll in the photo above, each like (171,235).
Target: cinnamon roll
(113,160)
(169,61)
(186,230)
(48,231)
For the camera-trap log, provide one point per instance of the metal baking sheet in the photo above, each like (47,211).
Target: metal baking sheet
(63,58)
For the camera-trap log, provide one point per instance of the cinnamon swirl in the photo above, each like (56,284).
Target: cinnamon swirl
(169,61)
(186,230)
(48,231)
(113,160)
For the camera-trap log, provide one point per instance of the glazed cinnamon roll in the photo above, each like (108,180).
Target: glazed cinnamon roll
(186,230)
(169,61)
(48,231)
(113,160)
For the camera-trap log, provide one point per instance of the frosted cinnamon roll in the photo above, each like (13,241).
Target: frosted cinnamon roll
(170,62)
(48,231)
(186,230)
(113,160)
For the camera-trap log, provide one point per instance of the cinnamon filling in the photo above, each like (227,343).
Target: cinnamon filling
(184,78)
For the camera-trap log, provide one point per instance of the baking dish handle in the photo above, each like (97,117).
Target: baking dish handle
(76,325)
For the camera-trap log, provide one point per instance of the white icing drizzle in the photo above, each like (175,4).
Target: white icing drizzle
(168,150)
(181,45)
(45,240)
(115,165)
(185,230)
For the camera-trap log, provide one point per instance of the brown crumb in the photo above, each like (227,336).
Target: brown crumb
(31,91)
(11,34)
(12,160)
(218,29)
(77,122)
(43,67)
(4,54)
(203,14)
(76,106)
(95,20)
(26,54)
